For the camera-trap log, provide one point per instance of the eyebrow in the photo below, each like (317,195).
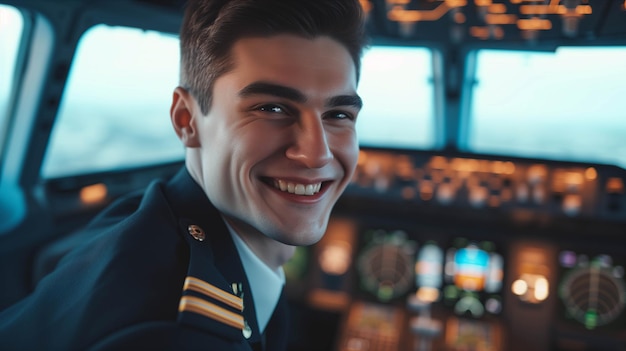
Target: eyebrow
(281,91)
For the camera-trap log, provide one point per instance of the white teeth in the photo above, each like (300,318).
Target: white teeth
(298,189)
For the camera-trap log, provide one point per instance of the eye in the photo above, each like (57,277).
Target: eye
(340,115)
(271,108)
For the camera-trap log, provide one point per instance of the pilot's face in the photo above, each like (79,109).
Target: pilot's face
(278,146)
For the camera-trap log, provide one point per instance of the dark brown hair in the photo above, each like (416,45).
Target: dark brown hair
(211,27)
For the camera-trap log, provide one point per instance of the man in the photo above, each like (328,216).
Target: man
(266,110)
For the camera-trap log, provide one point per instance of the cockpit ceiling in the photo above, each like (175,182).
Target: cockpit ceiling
(451,22)
(463,21)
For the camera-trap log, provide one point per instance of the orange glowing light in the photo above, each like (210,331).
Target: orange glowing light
(469,281)
(573,178)
(479,32)
(426,190)
(500,19)
(427,294)
(542,9)
(615,185)
(497,8)
(399,14)
(459,17)
(438,162)
(583,10)
(591,173)
(335,258)
(93,193)
(455,3)
(534,24)
(509,167)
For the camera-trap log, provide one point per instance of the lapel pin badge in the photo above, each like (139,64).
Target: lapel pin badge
(196,232)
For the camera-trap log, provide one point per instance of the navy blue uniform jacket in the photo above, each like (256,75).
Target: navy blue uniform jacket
(142,281)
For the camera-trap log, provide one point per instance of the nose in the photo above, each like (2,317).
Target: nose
(310,143)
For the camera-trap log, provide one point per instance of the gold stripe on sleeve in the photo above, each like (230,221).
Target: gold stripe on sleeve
(209,310)
(203,287)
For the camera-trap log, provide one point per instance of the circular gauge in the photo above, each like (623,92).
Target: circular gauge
(593,295)
(387,268)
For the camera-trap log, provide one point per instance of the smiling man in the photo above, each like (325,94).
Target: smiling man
(278,145)
(266,110)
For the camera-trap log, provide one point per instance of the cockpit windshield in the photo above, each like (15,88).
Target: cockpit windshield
(563,105)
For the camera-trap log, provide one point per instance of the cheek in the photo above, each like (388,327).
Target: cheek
(256,142)
(346,149)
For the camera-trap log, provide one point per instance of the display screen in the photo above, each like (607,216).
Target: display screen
(473,277)
(592,289)
(465,275)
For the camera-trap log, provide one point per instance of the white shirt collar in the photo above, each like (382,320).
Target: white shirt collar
(266,284)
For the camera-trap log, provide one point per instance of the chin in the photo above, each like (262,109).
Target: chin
(305,238)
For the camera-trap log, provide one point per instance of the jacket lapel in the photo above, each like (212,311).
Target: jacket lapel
(277,330)
(217,300)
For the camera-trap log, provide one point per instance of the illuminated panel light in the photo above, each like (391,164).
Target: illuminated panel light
(500,19)
(534,24)
(554,10)
(583,10)
(591,173)
(404,168)
(335,258)
(482,2)
(509,167)
(426,190)
(463,165)
(459,18)
(93,193)
(498,167)
(455,3)
(533,288)
(537,173)
(438,162)
(427,294)
(574,179)
(497,8)
(399,14)
(542,10)
(519,287)
(572,204)
(541,289)
(615,185)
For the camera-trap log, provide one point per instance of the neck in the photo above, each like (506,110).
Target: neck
(273,253)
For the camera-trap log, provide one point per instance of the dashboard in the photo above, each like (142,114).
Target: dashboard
(449,251)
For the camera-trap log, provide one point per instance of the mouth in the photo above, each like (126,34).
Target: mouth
(297,188)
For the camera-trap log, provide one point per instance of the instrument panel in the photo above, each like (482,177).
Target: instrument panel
(452,252)
(488,182)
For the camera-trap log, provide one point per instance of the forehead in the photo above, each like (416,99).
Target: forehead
(320,63)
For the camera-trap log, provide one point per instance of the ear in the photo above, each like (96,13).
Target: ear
(183,114)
